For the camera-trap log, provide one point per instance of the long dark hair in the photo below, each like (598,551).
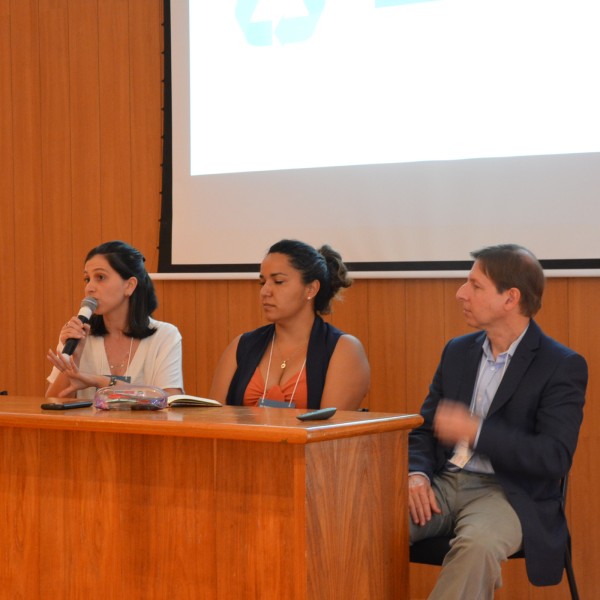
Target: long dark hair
(324,265)
(128,262)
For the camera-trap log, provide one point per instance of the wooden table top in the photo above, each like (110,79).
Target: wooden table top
(226,422)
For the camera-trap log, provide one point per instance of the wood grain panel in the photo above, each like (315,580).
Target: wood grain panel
(85,216)
(115,118)
(8,378)
(27,181)
(243,305)
(346,317)
(23,507)
(424,337)
(159,289)
(355,544)
(584,331)
(122,500)
(56,164)
(270,495)
(386,345)
(553,317)
(90,513)
(179,308)
(212,334)
(454,321)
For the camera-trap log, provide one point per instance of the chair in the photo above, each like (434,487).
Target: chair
(432,551)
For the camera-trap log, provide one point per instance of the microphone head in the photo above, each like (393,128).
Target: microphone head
(88,306)
(90,303)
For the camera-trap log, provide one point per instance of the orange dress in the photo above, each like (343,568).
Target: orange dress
(256,387)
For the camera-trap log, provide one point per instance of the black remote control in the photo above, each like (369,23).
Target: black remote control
(317,415)
(66,405)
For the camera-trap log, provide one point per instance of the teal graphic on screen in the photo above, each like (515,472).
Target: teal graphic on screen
(288,30)
(384,3)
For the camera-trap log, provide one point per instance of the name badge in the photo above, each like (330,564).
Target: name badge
(276,403)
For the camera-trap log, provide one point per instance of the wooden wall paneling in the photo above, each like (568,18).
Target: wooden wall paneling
(344,471)
(85,217)
(52,487)
(273,496)
(584,328)
(386,344)
(350,314)
(28,363)
(554,320)
(179,308)
(424,337)
(108,508)
(159,287)
(243,306)
(553,317)
(115,122)
(8,376)
(422,579)
(55,147)
(145,41)
(454,320)
(212,331)
(23,507)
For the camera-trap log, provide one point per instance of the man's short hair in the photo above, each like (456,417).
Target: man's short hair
(513,266)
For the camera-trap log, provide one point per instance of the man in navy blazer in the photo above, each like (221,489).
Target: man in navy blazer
(501,423)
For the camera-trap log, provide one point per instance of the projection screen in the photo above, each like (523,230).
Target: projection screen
(403,133)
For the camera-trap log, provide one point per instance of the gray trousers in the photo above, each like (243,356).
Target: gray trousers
(487,531)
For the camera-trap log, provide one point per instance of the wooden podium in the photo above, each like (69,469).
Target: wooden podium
(200,503)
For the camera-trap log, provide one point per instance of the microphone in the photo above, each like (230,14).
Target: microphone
(88,306)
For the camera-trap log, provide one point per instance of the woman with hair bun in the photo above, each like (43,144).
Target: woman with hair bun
(298,360)
(122,342)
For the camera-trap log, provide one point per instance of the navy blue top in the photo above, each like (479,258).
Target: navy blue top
(253,345)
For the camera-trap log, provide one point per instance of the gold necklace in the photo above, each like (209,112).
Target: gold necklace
(126,359)
(291,400)
(284,362)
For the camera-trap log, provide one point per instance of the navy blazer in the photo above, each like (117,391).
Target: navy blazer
(529,435)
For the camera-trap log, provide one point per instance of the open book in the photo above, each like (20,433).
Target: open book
(185,400)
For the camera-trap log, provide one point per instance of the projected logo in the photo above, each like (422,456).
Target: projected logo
(384,3)
(287,30)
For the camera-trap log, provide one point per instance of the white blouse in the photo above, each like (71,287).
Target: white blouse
(156,362)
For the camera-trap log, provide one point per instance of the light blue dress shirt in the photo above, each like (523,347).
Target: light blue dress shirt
(491,372)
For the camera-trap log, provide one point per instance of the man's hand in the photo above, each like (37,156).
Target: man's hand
(421,499)
(454,423)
